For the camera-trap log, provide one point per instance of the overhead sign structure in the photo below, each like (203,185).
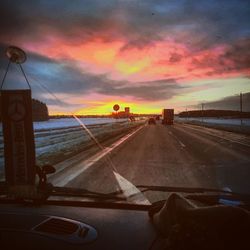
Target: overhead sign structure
(16,112)
(116,107)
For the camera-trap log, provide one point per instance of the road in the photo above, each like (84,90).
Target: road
(178,155)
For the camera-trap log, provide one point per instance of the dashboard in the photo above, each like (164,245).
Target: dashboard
(59,227)
(176,223)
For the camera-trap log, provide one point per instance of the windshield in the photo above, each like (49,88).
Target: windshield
(128,92)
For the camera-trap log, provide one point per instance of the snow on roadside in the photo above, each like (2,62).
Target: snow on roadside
(232,125)
(211,120)
(56,139)
(71,122)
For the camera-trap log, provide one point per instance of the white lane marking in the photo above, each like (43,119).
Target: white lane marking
(84,165)
(78,169)
(182,144)
(221,137)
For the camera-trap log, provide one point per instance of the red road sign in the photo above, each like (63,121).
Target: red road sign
(116,107)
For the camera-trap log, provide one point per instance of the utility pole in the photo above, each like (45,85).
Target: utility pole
(241,109)
(202,114)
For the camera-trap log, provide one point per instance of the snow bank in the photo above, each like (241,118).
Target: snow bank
(210,120)
(57,138)
(71,122)
(232,125)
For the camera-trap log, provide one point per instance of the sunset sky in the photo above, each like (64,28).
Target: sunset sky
(144,54)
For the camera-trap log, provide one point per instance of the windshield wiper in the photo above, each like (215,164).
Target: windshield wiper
(208,196)
(145,188)
(79,192)
(189,190)
(65,192)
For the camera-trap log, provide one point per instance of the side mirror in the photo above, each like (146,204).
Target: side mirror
(48,169)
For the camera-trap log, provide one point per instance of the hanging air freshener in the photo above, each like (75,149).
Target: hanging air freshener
(19,146)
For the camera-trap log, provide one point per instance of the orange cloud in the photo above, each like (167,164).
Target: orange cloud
(164,58)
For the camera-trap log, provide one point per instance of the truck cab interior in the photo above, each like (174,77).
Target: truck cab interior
(81,167)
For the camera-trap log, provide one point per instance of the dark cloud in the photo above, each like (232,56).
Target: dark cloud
(236,57)
(30,20)
(140,42)
(239,54)
(147,91)
(32,57)
(198,23)
(74,82)
(48,76)
(231,103)
(174,58)
(51,101)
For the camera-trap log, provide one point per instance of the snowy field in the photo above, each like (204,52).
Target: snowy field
(222,121)
(58,139)
(232,125)
(70,122)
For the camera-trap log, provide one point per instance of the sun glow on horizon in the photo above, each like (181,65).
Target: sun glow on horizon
(107,108)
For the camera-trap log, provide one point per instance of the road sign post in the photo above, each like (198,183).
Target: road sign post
(116,107)
(202,113)
(241,122)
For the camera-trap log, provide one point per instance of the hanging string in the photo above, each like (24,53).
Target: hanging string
(7,69)
(24,75)
(6,72)
(42,86)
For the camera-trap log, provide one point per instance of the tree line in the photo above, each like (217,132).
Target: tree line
(39,110)
(215,113)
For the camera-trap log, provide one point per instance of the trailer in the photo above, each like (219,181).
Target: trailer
(168,116)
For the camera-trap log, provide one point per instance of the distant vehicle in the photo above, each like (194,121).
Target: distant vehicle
(131,119)
(157,118)
(151,121)
(168,116)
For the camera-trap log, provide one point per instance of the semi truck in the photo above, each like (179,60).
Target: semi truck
(168,116)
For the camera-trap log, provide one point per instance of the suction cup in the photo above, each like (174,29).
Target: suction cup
(15,54)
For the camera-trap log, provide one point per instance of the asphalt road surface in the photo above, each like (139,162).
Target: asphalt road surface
(178,155)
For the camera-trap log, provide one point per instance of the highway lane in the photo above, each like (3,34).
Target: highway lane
(178,155)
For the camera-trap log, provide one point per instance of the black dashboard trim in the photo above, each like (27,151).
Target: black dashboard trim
(70,203)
